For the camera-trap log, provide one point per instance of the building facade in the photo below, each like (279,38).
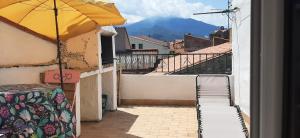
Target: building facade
(122,40)
(146,43)
(24,55)
(192,43)
(220,36)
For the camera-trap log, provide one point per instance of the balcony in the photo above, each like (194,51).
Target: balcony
(160,95)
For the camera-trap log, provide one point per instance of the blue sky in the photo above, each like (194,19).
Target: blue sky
(219,4)
(137,10)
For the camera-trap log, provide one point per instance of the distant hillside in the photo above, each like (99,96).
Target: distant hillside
(170,28)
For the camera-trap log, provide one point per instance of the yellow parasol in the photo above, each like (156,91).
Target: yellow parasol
(61,19)
(74,16)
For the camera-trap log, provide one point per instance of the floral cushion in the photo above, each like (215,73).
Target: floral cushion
(36,113)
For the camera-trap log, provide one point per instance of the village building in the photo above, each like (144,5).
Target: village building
(122,40)
(177,46)
(148,43)
(220,36)
(24,62)
(193,43)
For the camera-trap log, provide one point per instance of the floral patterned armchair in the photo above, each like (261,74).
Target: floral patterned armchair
(29,112)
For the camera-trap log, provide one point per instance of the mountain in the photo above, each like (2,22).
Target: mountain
(170,28)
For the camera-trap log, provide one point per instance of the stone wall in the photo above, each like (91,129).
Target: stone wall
(81,52)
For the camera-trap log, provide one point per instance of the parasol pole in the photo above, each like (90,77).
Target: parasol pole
(58,45)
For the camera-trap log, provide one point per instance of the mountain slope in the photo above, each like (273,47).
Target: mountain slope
(170,28)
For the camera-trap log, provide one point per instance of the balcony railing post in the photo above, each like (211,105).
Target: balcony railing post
(174,56)
(200,65)
(125,62)
(180,63)
(168,63)
(151,65)
(214,63)
(131,60)
(187,63)
(143,61)
(194,63)
(225,71)
(137,62)
(162,63)
(206,64)
(121,62)
(220,63)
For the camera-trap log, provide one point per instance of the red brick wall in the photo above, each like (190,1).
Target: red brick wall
(195,43)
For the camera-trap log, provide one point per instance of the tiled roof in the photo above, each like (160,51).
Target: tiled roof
(197,37)
(223,48)
(181,60)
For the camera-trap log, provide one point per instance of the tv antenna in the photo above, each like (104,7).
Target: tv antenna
(226,11)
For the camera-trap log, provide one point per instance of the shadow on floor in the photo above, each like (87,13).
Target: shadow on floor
(114,125)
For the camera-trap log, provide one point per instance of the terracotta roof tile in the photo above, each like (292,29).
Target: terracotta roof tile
(223,48)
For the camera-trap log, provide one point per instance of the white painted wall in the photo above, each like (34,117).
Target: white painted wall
(108,88)
(109,74)
(158,87)
(95,83)
(167,87)
(21,48)
(148,45)
(90,98)
(23,75)
(241,53)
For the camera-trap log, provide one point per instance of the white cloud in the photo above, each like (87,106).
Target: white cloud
(136,10)
(132,18)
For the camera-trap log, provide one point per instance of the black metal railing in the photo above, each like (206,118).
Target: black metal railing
(144,51)
(139,51)
(204,63)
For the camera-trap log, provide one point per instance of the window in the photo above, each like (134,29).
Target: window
(140,46)
(133,46)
